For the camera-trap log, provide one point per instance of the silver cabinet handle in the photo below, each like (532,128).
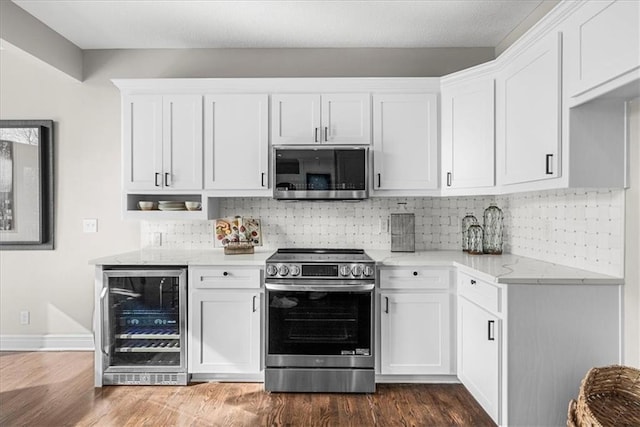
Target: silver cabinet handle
(156,179)
(491,330)
(166,179)
(262,179)
(254,304)
(326,134)
(379,181)
(448,179)
(386,309)
(315,138)
(548,160)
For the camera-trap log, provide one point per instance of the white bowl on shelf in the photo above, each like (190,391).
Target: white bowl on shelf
(145,205)
(193,206)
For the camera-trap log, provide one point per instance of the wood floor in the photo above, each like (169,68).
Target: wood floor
(56,389)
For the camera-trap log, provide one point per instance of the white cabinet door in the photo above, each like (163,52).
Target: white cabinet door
(182,148)
(142,142)
(528,120)
(346,118)
(405,141)
(236,148)
(295,119)
(478,355)
(415,333)
(602,43)
(468,143)
(162,142)
(224,332)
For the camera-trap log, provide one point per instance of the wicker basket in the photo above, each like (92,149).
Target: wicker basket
(609,396)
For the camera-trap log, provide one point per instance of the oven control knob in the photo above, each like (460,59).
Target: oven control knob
(272,270)
(294,270)
(283,270)
(368,271)
(345,270)
(356,270)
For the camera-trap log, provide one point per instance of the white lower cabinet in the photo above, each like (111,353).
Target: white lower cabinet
(523,349)
(479,354)
(415,326)
(225,323)
(414,333)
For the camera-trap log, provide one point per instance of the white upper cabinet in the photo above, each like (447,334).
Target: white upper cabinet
(405,141)
(162,142)
(343,118)
(602,43)
(468,142)
(528,118)
(236,142)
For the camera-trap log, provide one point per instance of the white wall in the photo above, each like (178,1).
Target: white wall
(632,233)
(57,286)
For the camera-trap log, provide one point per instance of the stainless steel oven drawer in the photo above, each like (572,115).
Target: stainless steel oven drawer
(320,380)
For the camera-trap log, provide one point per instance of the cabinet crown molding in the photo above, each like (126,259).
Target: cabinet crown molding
(278,85)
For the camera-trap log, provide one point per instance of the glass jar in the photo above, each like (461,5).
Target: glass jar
(467,221)
(493,224)
(475,235)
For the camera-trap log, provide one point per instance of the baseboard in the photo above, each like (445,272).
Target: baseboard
(49,342)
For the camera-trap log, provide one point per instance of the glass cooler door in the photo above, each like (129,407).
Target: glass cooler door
(144,324)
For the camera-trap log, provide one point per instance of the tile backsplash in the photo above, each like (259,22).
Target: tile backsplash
(581,228)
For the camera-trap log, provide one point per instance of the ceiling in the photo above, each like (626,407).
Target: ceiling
(140,24)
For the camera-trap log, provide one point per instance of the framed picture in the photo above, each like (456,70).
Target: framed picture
(26,184)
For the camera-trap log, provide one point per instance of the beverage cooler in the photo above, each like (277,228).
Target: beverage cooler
(141,327)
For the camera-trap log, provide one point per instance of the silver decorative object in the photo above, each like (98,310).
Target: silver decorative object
(493,225)
(467,221)
(475,234)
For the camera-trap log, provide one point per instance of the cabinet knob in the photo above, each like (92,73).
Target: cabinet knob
(473,282)
(225,273)
(415,273)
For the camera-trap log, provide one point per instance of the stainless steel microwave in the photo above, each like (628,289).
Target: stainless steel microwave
(320,173)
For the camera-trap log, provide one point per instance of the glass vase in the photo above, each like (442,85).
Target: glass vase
(493,225)
(467,221)
(475,234)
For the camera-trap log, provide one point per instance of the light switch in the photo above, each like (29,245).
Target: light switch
(90,225)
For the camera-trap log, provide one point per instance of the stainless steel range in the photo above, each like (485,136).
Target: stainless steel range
(320,321)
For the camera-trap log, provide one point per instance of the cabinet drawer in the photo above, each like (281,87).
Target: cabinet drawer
(414,278)
(482,293)
(224,278)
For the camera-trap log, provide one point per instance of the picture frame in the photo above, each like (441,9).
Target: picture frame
(26,185)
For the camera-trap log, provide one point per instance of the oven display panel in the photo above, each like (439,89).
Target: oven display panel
(320,270)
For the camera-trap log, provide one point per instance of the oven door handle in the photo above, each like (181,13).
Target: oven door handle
(319,288)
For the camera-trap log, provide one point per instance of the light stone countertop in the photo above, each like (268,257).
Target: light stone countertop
(185,257)
(507,269)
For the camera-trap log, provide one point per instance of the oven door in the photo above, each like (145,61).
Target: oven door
(314,325)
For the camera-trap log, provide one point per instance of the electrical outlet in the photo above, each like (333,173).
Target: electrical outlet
(24,317)
(90,225)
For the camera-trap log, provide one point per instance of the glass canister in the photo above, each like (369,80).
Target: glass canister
(493,224)
(475,235)
(467,221)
